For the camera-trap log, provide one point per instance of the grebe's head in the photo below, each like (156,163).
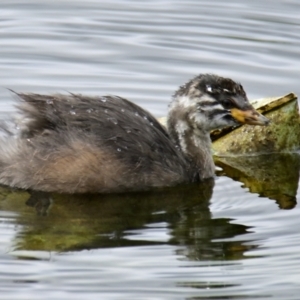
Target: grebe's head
(210,102)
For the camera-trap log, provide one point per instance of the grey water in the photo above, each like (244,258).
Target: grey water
(236,239)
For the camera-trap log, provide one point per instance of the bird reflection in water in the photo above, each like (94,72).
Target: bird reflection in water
(77,222)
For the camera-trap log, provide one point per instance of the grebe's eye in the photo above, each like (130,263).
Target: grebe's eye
(228,103)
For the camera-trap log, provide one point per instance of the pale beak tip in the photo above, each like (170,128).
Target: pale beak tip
(264,121)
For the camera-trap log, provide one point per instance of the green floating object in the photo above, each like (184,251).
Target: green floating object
(281,135)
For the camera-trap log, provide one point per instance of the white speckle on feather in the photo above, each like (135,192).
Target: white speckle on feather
(114,120)
(208,88)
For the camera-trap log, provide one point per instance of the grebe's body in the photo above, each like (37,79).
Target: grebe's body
(78,144)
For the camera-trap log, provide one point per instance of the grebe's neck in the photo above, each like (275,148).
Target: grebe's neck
(199,151)
(195,145)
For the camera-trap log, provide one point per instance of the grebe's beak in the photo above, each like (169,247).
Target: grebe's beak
(249,116)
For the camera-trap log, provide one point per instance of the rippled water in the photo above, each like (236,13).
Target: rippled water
(236,240)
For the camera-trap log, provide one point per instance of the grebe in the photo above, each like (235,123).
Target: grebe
(81,144)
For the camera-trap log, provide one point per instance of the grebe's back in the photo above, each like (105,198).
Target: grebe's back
(73,143)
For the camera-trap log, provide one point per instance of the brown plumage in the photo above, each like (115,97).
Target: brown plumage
(78,144)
